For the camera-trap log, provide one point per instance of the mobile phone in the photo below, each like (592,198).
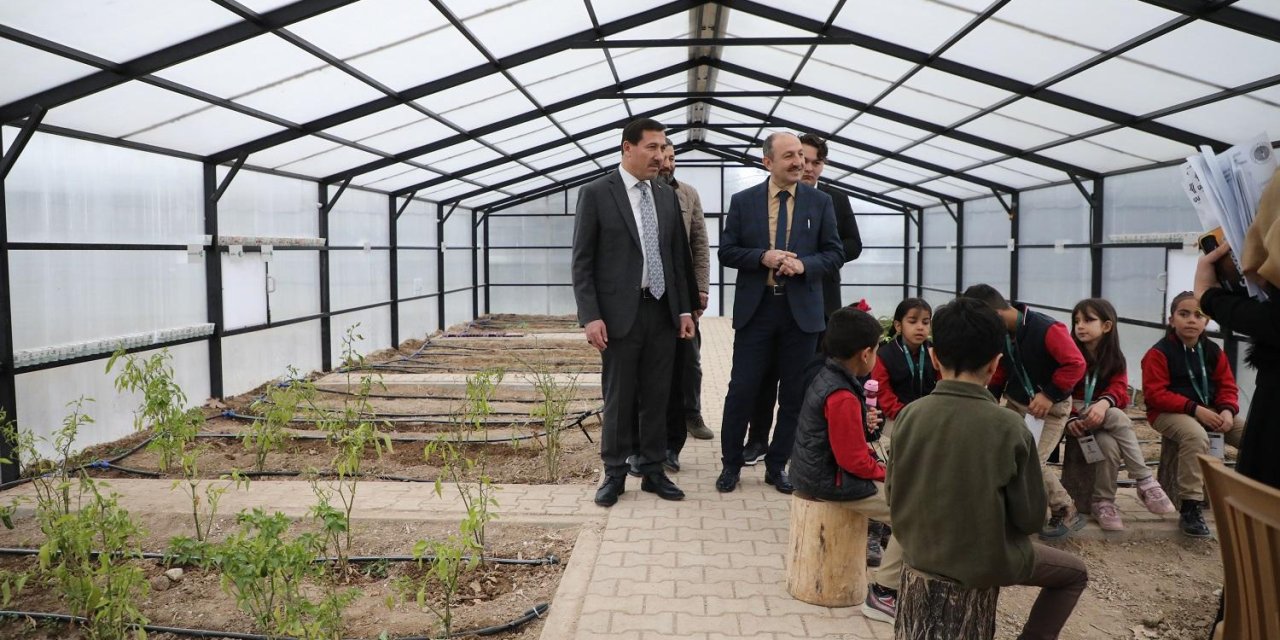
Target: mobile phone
(1225,268)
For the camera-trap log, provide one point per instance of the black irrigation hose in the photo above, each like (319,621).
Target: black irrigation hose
(531,614)
(96,464)
(152,555)
(578,419)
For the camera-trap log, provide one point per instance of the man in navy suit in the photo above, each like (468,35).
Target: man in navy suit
(781,237)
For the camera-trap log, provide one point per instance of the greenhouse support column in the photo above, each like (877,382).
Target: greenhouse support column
(394,271)
(475,267)
(920,253)
(213,278)
(488,263)
(440,249)
(959,245)
(8,382)
(326,348)
(906,254)
(1014,217)
(1095,239)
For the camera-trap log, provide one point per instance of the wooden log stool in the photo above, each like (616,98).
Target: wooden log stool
(1167,473)
(1077,475)
(827,554)
(935,608)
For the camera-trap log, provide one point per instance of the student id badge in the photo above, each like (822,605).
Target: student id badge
(1035,426)
(1089,446)
(1217,446)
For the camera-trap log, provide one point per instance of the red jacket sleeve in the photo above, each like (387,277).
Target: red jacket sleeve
(1058,342)
(886,399)
(1155,387)
(844,428)
(1228,395)
(1117,390)
(996,386)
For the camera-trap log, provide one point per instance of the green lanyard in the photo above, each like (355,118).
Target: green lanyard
(1201,384)
(1090,382)
(1016,364)
(915,369)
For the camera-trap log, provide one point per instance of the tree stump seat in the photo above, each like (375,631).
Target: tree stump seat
(935,608)
(827,553)
(1167,472)
(1077,475)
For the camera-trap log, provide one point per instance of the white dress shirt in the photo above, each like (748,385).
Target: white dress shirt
(633,196)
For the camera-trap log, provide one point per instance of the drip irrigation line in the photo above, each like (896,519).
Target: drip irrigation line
(407,396)
(153,555)
(531,614)
(420,418)
(447,416)
(95,464)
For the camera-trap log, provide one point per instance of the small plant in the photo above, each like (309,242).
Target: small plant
(480,389)
(54,481)
(204,501)
(278,407)
(477,497)
(555,398)
(163,408)
(444,561)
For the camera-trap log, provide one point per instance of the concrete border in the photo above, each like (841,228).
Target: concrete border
(566,604)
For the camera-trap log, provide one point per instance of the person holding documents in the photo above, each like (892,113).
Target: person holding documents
(1260,320)
(1040,368)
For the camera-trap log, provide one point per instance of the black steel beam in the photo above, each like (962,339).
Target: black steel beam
(419,91)
(959,247)
(855,192)
(167,57)
(440,266)
(20,142)
(1015,232)
(326,325)
(1218,13)
(226,181)
(475,267)
(9,463)
(608,58)
(570,183)
(213,278)
(329,204)
(393,217)
(1096,203)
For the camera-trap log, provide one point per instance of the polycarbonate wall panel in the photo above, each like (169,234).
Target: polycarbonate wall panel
(706,181)
(457,268)
(416,272)
(249,359)
(358,278)
(940,269)
(1051,277)
(71,296)
(359,218)
(880,231)
(68,190)
(416,227)
(936,298)
(418,318)
(939,228)
(875,267)
(457,308)
(43,395)
(883,299)
(986,266)
(538,300)
(1134,343)
(986,223)
(1147,202)
(1052,215)
(293,288)
(370,331)
(1133,280)
(261,204)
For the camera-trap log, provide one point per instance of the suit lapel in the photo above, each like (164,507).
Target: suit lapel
(624,205)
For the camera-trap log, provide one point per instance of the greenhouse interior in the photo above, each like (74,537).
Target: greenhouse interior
(238,235)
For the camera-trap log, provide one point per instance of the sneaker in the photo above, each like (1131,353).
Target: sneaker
(1192,521)
(881,604)
(1062,523)
(698,428)
(753,453)
(1153,497)
(1104,511)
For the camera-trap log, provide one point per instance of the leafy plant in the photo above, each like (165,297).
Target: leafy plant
(480,389)
(477,497)
(278,407)
(163,408)
(204,495)
(551,411)
(444,561)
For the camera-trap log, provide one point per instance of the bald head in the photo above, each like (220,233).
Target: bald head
(784,158)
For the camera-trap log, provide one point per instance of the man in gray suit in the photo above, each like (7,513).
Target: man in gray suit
(631,276)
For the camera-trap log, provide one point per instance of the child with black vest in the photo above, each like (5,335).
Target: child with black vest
(903,368)
(964,481)
(1190,392)
(1040,368)
(1098,409)
(831,459)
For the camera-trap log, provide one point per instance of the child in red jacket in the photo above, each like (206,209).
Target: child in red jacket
(1190,392)
(1098,409)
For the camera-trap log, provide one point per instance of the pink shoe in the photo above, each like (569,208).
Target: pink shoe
(1153,497)
(1104,511)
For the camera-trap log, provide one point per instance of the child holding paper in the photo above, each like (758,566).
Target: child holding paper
(1190,393)
(1098,409)
(1040,368)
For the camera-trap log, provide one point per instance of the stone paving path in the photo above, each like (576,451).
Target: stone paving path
(708,568)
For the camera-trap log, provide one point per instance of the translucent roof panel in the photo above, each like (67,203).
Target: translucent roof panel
(553,157)
(478,102)
(1096,24)
(1143,145)
(931,22)
(527,135)
(424,131)
(372,178)
(515,26)
(329,162)
(882,132)
(1095,156)
(927,106)
(929,152)
(1113,84)
(1013,132)
(1025,167)
(460,161)
(635,62)
(406,179)
(1261,7)
(1039,57)
(123,109)
(901,171)
(28,71)
(780,62)
(746,25)
(1233,120)
(671,27)
(952,188)
(291,151)
(564,75)
(207,131)
(117,31)
(1052,116)
(1004,175)
(1222,56)
(821,116)
(457,149)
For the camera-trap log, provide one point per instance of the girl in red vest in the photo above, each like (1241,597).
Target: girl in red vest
(903,367)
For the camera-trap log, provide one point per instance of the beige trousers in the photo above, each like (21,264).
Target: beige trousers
(874,507)
(1119,444)
(1192,439)
(1054,424)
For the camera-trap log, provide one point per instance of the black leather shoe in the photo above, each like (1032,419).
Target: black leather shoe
(672,463)
(610,489)
(779,479)
(658,482)
(728,480)
(633,466)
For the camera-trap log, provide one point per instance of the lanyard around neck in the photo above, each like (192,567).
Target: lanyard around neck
(1090,383)
(1201,384)
(1016,363)
(915,369)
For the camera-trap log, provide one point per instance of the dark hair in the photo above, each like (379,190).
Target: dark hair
(905,307)
(635,129)
(817,143)
(1173,307)
(1108,359)
(767,148)
(967,334)
(988,294)
(849,331)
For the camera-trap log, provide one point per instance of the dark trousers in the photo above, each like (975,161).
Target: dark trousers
(771,335)
(687,367)
(636,379)
(690,363)
(762,415)
(1061,577)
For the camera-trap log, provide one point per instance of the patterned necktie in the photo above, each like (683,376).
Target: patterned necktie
(649,236)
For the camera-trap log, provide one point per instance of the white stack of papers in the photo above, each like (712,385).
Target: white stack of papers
(1225,189)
